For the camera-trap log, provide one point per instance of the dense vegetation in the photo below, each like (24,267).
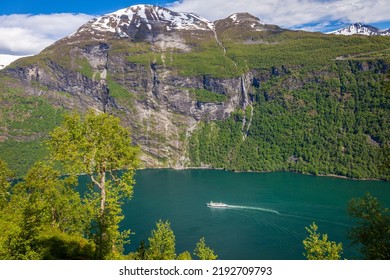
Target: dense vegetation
(334,121)
(42,216)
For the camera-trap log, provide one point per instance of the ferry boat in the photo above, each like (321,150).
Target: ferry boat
(216,205)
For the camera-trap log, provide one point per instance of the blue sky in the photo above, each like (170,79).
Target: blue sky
(93,7)
(27,26)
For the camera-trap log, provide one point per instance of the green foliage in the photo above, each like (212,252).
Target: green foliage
(203,252)
(24,122)
(5,185)
(161,243)
(313,50)
(162,246)
(51,200)
(43,209)
(140,254)
(203,95)
(205,58)
(241,51)
(98,145)
(333,123)
(57,245)
(85,68)
(372,230)
(21,155)
(122,95)
(320,248)
(209,59)
(185,256)
(28,115)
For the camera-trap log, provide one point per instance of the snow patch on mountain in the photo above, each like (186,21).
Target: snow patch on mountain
(360,29)
(149,16)
(240,18)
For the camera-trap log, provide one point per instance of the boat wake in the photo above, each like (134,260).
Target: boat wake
(252,208)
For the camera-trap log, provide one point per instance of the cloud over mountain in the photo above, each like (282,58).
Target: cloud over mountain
(293,12)
(29,34)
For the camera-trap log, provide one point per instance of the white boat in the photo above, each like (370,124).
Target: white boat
(216,205)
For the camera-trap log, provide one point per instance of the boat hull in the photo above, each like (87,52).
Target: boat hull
(216,205)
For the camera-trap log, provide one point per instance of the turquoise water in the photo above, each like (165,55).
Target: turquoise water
(267,215)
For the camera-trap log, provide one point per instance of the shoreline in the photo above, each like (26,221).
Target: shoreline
(265,171)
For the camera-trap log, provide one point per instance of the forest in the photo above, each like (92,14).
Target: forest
(335,121)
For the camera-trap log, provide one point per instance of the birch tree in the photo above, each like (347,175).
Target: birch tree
(99,146)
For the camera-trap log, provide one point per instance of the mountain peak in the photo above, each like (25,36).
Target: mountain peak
(241,21)
(246,19)
(360,29)
(127,22)
(239,17)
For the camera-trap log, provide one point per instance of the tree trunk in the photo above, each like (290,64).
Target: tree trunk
(102,192)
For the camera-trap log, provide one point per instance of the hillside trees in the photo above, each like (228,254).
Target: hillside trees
(44,218)
(372,230)
(333,121)
(162,246)
(99,146)
(5,176)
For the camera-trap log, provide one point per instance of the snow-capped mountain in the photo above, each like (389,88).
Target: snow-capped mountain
(145,21)
(148,18)
(361,29)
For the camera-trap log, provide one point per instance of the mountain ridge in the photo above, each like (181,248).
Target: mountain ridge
(361,29)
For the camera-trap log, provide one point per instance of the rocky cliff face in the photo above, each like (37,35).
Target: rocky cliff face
(160,104)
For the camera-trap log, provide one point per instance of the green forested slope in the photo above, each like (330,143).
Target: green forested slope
(334,121)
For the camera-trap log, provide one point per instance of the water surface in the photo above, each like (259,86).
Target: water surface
(267,217)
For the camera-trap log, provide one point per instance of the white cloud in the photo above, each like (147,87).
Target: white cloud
(29,34)
(291,13)
(6,59)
